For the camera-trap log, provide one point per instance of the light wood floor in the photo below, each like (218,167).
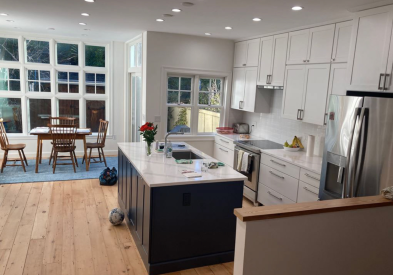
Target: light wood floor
(62,228)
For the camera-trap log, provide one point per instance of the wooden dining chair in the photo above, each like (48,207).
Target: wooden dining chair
(100,144)
(58,121)
(63,140)
(6,147)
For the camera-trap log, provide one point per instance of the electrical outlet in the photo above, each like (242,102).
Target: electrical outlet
(254,123)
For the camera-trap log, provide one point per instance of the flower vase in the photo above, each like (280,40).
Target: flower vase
(149,146)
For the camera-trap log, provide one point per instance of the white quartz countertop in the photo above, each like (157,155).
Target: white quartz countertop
(236,137)
(158,171)
(313,164)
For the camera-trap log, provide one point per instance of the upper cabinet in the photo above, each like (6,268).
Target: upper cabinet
(371,51)
(342,41)
(247,53)
(311,45)
(272,60)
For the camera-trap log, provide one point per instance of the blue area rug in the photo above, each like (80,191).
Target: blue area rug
(45,173)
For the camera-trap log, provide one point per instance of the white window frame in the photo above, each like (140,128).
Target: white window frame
(8,79)
(37,39)
(39,80)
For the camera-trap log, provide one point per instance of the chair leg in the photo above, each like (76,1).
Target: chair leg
(83,159)
(76,160)
(90,156)
(24,157)
(99,154)
(103,155)
(54,161)
(51,156)
(73,162)
(21,161)
(41,152)
(4,161)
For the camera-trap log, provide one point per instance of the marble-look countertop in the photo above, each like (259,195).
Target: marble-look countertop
(158,171)
(236,137)
(313,164)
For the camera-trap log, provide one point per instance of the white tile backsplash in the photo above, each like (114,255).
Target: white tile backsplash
(272,127)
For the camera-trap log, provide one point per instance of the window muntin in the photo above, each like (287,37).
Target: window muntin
(94,56)
(68,108)
(95,83)
(9,79)
(68,82)
(11,112)
(95,110)
(179,90)
(179,119)
(38,81)
(9,49)
(37,51)
(39,112)
(67,54)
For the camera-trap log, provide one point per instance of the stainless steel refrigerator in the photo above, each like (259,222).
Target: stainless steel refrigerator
(358,154)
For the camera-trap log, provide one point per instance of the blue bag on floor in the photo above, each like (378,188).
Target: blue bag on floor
(108,177)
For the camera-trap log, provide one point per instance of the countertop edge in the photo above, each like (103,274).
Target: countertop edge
(309,208)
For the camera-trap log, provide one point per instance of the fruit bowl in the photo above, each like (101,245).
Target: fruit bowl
(291,149)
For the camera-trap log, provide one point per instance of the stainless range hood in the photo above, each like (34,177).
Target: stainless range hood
(271,87)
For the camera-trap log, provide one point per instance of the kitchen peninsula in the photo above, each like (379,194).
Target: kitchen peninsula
(177,222)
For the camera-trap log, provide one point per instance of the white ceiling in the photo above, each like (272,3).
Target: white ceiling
(121,20)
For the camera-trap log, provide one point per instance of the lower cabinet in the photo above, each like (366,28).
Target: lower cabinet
(268,196)
(224,150)
(307,192)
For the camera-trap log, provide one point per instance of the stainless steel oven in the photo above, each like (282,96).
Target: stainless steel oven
(251,184)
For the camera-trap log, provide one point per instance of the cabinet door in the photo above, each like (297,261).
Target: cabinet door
(134,196)
(238,84)
(320,44)
(139,208)
(315,93)
(369,49)
(253,53)
(279,59)
(337,82)
(265,63)
(342,41)
(250,90)
(297,47)
(240,58)
(307,193)
(292,100)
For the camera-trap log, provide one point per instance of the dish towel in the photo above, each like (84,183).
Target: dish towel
(388,193)
(245,162)
(239,160)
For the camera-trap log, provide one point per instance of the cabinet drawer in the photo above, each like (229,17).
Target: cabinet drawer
(223,154)
(307,193)
(279,182)
(310,177)
(281,166)
(228,143)
(267,196)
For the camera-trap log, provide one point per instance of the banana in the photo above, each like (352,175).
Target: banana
(299,143)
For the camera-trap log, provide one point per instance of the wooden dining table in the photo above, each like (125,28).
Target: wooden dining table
(41,136)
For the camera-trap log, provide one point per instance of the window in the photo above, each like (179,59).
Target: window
(37,51)
(39,112)
(194,112)
(38,81)
(136,55)
(9,79)
(68,108)
(95,56)
(95,83)
(11,112)
(9,50)
(67,54)
(68,82)
(179,93)
(95,110)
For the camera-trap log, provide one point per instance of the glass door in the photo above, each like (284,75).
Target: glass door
(136,106)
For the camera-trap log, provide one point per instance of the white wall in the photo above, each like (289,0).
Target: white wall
(163,50)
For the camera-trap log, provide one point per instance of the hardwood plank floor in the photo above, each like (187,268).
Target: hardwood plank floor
(62,228)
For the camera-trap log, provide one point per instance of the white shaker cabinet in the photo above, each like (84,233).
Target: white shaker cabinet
(342,41)
(369,51)
(247,53)
(292,101)
(337,82)
(272,60)
(250,90)
(238,84)
(297,47)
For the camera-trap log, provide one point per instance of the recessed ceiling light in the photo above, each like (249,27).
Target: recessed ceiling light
(256,19)
(11,21)
(208,33)
(228,28)
(188,4)
(51,29)
(160,20)
(90,1)
(83,24)
(4,14)
(168,15)
(176,10)
(85,14)
(297,8)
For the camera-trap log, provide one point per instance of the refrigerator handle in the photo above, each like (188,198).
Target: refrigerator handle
(355,157)
(347,168)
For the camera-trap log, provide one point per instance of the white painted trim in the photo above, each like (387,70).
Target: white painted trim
(371,5)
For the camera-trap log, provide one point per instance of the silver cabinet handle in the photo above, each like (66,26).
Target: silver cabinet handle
(283,165)
(325,119)
(274,174)
(379,83)
(270,79)
(223,150)
(224,140)
(387,77)
(244,64)
(304,61)
(333,59)
(267,79)
(299,114)
(315,193)
(274,196)
(311,177)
